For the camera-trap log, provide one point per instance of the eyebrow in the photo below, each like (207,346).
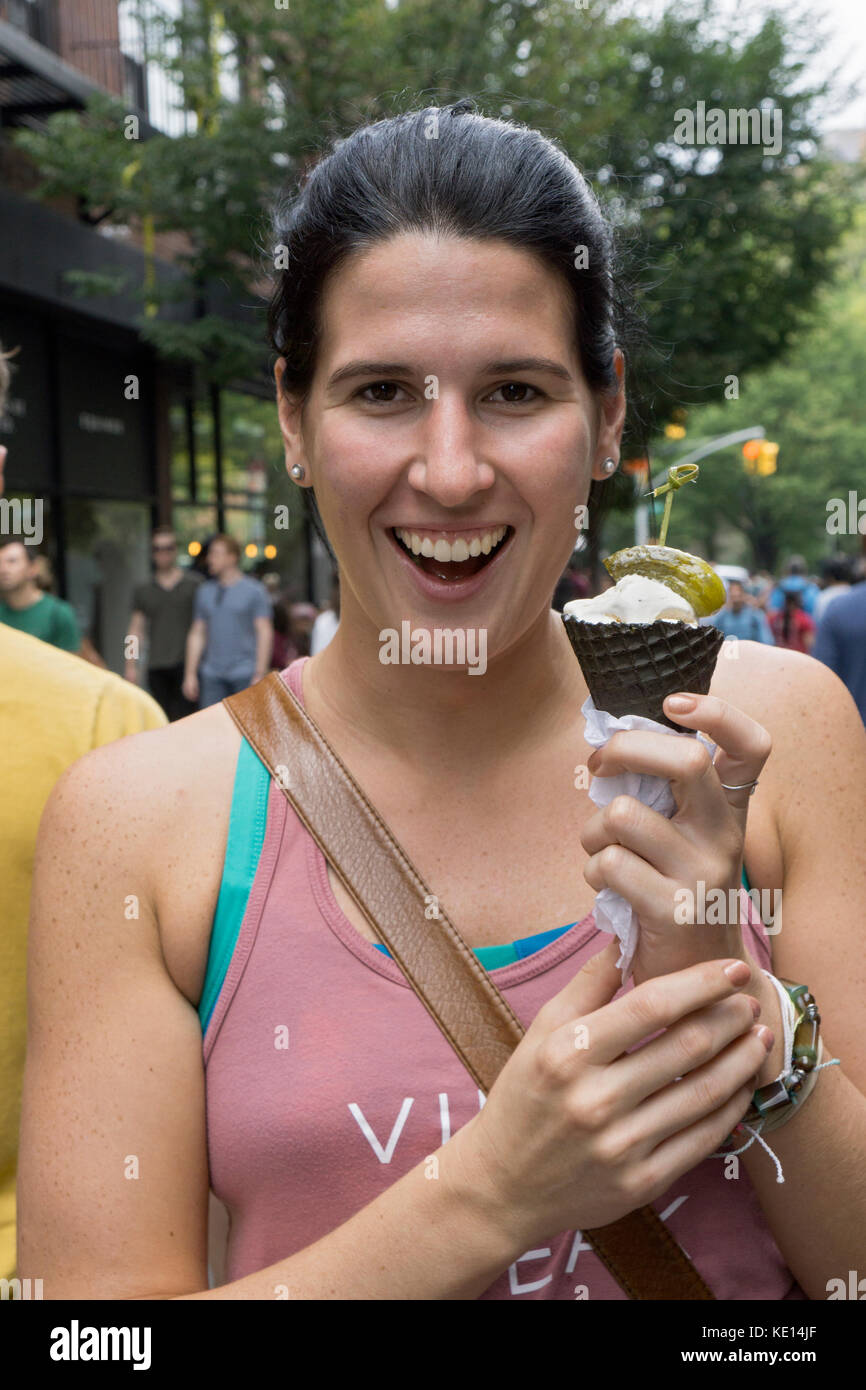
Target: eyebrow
(497,368)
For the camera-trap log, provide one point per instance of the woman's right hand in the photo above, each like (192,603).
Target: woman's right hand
(577,1132)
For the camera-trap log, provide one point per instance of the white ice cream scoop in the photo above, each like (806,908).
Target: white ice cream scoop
(634,599)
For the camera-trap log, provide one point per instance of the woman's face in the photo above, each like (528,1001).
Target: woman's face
(445,436)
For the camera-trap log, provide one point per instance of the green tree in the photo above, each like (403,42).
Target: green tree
(728,246)
(811,402)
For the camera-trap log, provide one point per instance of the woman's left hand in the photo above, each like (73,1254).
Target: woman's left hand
(667,868)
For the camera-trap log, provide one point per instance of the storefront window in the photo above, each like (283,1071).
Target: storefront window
(181,468)
(248,528)
(205,456)
(193,527)
(252,447)
(107,554)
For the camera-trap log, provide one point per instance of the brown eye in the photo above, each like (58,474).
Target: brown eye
(518,386)
(378,386)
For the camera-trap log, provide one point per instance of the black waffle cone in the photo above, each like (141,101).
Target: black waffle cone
(630,668)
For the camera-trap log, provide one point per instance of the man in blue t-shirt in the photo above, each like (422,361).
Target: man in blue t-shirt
(840,641)
(230,641)
(739,619)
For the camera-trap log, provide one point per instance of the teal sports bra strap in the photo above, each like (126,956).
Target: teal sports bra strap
(247,825)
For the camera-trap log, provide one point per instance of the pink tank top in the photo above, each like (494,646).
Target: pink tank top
(327,1080)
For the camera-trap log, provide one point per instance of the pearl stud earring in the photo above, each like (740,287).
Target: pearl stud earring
(609,466)
(297,471)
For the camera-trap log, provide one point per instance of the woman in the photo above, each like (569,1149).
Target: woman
(444,373)
(791,625)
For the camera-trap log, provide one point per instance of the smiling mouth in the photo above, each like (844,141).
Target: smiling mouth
(450,570)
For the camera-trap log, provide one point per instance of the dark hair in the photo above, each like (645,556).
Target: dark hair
(837,569)
(477,177)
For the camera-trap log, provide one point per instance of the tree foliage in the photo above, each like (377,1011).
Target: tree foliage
(727,247)
(811,402)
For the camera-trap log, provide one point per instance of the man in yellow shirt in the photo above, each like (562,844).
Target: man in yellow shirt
(54,707)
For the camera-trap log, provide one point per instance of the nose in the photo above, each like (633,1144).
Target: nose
(449,468)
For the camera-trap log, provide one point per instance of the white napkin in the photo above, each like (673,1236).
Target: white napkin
(612,912)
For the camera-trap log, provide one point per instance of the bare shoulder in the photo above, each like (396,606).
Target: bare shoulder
(157,803)
(788,692)
(145,777)
(818,736)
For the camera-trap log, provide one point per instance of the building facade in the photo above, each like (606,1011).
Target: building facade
(105,437)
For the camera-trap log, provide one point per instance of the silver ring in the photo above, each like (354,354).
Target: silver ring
(741,786)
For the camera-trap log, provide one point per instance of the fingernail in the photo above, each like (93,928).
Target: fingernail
(766,1037)
(681,704)
(756,1008)
(738,972)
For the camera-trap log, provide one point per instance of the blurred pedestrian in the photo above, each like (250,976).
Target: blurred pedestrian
(328,620)
(162,612)
(795,581)
(836,572)
(285,644)
(790,625)
(739,618)
(24,606)
(759,587)
(231,639)
(840,641)
(303,617)
(572,584)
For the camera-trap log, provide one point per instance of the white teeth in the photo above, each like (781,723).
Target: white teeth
(461,549)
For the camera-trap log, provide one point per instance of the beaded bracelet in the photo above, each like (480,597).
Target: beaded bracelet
(777,1101)
(774,1104)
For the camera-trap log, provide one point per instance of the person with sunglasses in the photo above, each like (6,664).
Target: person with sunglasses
(163,612)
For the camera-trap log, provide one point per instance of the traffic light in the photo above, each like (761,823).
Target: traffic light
(760,456)
(635,466)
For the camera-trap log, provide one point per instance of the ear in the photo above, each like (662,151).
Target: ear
(289,409)
(611,420)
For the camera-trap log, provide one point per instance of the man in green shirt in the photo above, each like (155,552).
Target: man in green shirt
(23,604)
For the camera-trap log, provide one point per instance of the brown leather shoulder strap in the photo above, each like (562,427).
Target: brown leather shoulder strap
(444,972)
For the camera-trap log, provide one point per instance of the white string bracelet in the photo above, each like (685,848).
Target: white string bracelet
(768,1124)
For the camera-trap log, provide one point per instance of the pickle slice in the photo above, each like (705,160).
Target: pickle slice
(688,575)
